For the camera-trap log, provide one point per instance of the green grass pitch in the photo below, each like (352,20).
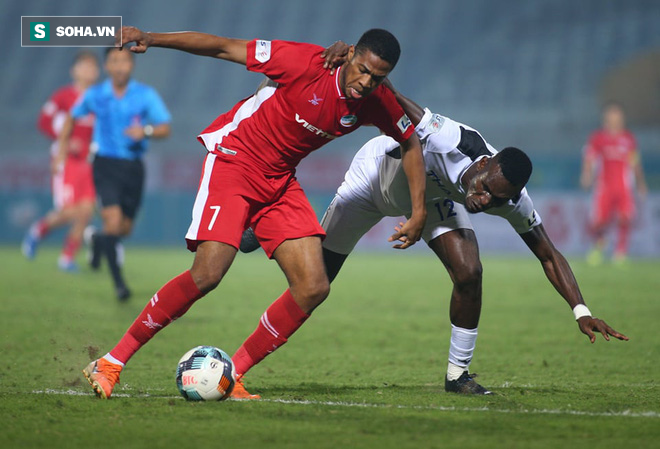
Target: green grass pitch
(366,370)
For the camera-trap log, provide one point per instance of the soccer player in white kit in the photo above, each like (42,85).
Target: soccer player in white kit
(464,175)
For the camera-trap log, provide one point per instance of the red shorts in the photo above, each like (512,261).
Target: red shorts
(607,204)
(73,184)
(232,197)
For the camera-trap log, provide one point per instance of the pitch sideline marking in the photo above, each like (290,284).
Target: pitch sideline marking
(626,413)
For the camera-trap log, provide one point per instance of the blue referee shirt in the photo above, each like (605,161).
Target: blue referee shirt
(140,105)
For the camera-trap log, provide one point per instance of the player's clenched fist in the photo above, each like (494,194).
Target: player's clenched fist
(139,37)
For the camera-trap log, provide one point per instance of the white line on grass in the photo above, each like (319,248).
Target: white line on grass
(625,413)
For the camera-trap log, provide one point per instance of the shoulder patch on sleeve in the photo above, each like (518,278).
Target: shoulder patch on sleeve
(262,51)
(436,123)
(403,123)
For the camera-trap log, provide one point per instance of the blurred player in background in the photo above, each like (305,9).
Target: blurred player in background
(128,114)
(72,184)
(612,164)
(248,177)
(464,175)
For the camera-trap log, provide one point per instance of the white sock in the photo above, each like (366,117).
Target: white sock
(461,348)
(111,359)
(120,253)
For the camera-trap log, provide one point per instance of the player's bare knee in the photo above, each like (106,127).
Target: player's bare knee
(321,290)
(206,279)
(313,291)
(468,276)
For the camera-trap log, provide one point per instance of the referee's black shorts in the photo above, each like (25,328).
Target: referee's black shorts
(119,182)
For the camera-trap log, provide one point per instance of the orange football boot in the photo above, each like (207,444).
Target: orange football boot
(239,391)
(102,376)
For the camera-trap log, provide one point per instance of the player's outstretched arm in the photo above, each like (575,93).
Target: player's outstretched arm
(559,273)
(202,44)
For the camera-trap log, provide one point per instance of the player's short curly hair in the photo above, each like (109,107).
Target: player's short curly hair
(382,43)
(516,165)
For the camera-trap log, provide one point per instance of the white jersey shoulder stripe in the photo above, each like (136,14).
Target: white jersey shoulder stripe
(247,109)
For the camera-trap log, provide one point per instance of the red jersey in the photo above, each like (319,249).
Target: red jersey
(616,155)
(52,117)
(279,125)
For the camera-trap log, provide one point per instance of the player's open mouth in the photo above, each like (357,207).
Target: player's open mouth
(354,93)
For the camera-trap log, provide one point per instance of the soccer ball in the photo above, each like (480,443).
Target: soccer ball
(205,373)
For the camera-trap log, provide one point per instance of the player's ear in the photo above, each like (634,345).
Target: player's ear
(483,162)
(351,52)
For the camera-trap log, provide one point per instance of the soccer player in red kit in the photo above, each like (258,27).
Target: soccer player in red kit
(612,153)
(248,178)
(72,184)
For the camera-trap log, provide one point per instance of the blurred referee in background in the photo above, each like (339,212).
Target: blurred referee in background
(128,114)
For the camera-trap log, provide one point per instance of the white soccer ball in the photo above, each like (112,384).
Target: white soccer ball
(205,373)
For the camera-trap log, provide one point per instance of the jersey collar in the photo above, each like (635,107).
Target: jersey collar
(339,92)
(107,86)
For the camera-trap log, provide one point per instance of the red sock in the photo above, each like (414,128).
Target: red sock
(168,304)
(622,240)
(71,247)
(277,324)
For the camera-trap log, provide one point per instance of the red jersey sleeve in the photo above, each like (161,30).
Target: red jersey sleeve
(51,113)
(385,112)
(281,61)
(592,148)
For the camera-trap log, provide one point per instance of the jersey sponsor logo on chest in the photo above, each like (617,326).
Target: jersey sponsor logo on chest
(315,100)
(348,120)
(313,129)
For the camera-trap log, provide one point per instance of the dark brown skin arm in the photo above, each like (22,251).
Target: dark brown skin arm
(560,275)
(412,160)
(234,50)
(414,111)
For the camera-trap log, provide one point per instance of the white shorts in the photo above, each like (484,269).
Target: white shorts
(349,217)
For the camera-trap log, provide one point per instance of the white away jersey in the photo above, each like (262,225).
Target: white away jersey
(450,148)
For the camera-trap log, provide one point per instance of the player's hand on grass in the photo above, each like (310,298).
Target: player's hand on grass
(407,233)
(140,38)
(335,55)
(589,325)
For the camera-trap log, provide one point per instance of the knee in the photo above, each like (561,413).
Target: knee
(205,279)
(112,227)
(312,292)
(468,276)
